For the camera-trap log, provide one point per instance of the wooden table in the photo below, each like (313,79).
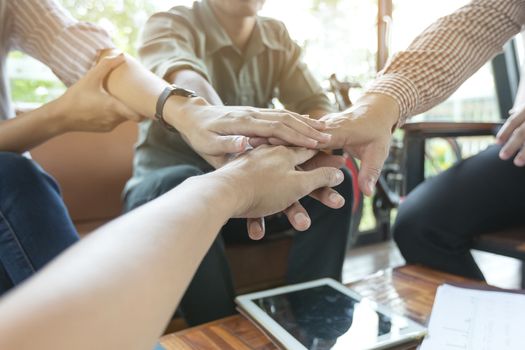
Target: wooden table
(407,290)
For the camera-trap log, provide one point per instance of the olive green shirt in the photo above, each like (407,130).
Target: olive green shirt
(192,38)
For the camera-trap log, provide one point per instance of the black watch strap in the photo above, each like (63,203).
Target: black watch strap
(166,93)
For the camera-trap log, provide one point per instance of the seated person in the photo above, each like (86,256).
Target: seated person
(438,221)
(120,89)
(229,55)
(117,288)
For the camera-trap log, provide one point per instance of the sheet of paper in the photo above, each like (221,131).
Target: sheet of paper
(468,319)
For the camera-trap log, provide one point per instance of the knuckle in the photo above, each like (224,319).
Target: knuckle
(243,118)
(274,125)
(231,114)
(329,175)
(288,118)
(280,149)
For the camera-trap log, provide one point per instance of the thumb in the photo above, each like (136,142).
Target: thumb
(372,161)
(229,144)
(105,66)
(320,177)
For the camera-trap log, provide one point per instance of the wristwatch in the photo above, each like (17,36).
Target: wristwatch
(166,93)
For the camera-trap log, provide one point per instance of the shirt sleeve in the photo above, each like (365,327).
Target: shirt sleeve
(441,58)
(46,31)
(169,44)
(299,91)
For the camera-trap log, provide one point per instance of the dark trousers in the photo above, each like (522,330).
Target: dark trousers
(316,253)
(437,222)
(34,223)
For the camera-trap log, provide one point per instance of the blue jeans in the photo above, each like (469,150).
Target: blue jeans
(34,223)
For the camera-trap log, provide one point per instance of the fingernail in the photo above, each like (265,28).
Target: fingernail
(519,162)
(241,142)
(503,154)
(255,229)
(339,176)
(301,220)
(336,198)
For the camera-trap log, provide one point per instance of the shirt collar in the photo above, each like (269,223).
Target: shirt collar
(217,38)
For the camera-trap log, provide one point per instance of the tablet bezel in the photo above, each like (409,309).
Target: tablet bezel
(413,330)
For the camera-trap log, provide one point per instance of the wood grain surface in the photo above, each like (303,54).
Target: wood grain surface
(407,290)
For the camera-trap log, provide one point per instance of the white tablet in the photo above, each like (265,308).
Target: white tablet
(324,314)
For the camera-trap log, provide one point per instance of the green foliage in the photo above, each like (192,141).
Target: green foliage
(123,18)
(317,4)
(35,91)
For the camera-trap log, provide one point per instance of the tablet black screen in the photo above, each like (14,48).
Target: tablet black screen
(324,318)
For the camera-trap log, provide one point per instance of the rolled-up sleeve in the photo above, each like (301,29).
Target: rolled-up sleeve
(46,31)
(168,44)
(441,58)
(299,91)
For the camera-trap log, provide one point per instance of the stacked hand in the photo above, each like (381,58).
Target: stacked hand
(215,132)
(266,181)
(295,212)
(365,132)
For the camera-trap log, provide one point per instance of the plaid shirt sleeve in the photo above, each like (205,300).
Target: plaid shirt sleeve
(441,58)
(46,31)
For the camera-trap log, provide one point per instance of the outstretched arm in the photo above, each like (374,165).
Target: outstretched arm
(433,67)
(134,270)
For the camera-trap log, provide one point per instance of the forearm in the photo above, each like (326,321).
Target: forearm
(30,129)
(132,272)
(192,80)
(132,84)
(448,52)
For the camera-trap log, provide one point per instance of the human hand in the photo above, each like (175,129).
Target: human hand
(512,137)
(218,131)
(364,132)
(265,180)
(296,213)
(86,106)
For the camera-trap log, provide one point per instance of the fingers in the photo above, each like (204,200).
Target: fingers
(301,124)
(513,145)
(258,141)
(314,123)
(519,160)
(230,144)
(512,123)
(372,161)
(298,155)
(281,126)
(318,178)
(105,66)
(298,217)
(322,159)
(329,197)
(256,228)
